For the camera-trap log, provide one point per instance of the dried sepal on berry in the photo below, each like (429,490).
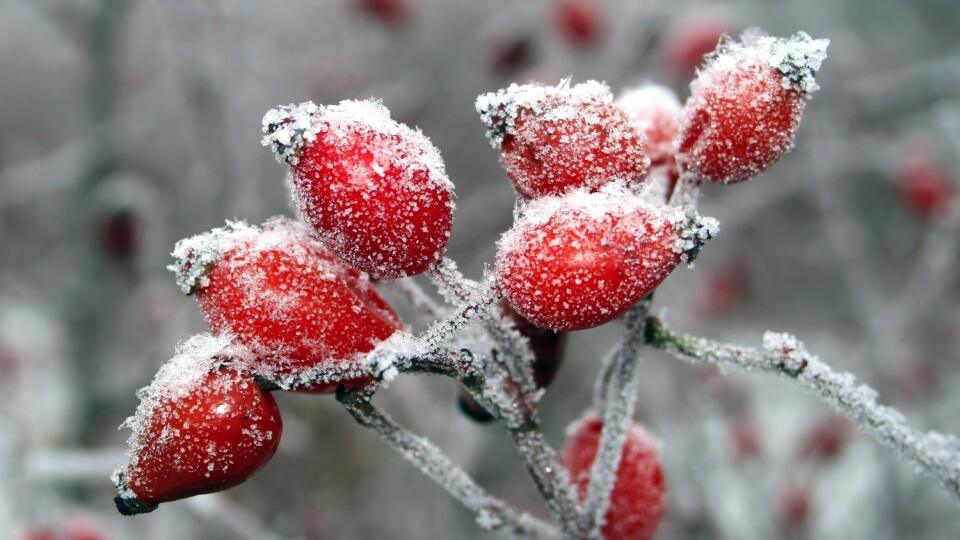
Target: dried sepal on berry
(638,499)
(203,425)
(307,315)
(555,138)
(746,103)
(579,260)
(374,191)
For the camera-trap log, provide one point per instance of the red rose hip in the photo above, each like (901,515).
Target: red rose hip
(281,293)
(374,191)
(923,183)
(654,110)
(202,426)
(579,260)
(555,138)
(745,105)
(638,499)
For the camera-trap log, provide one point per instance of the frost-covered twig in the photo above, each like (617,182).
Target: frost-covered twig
(618,405)
(510,343)
(418,299)
(517,387)
(492,513)
(551,478)
(934,453)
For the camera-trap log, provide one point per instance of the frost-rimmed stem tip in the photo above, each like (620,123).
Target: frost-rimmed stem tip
(936,454)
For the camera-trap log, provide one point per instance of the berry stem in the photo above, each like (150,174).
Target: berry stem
(511,344)
(936,454)
(520,389)
(618,402)
(492,513)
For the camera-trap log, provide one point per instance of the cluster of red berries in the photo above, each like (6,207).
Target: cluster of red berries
(595,233)
(292,302)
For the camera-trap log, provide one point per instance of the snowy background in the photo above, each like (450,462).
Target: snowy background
(129,124)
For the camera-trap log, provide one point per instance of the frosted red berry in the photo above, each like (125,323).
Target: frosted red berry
(638,500)
(582,23)
(691,38)
(555,138)
(281,293)
(745,105)
(579,260)
(374,191)
(923,185)
(202,426)
(654,110)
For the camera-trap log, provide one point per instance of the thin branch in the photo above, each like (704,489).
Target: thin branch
(492,513)
(516,386)
(618,405)
(511,344)
(551,479)
(936,454)
(419,300)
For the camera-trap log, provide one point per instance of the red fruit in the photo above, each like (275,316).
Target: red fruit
(745,105)
(745,437)
(374,191)
(825,439)
(688,40)
(580,22)
(923,185)
(723,289)
(577,261)
(654,110)
(511,53)
(118,233)
(795,507)
(389,12)
(638,499)
(554,138)
(281,293)
(201,427)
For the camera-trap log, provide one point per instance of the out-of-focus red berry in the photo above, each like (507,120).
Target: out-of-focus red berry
(745,105)
(555,138)
(655,111)
(286,297)
(118,233)
(723,289)
(745,437)
(825,439)
(580,260)
(923,184)
(511,53)
(795,508)
(391,13)
(375,192)
(201,427)
(689,39)
(582,23)
(638,499)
